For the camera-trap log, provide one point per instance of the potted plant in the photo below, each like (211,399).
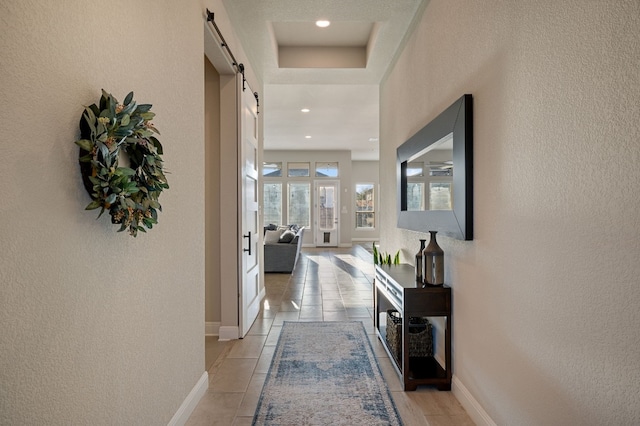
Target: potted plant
(384,258)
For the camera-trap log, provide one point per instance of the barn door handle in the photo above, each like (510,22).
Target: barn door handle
(249,237)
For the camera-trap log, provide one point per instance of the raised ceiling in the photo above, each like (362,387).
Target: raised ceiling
(334,72)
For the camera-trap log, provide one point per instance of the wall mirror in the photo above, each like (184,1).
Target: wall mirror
(435,174)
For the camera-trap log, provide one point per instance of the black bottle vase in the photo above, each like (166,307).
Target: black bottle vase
(433,262)
(420,263)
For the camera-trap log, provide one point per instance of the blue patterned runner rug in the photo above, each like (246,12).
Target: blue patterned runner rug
(325,373)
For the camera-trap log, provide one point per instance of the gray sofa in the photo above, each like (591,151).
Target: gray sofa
(283,256)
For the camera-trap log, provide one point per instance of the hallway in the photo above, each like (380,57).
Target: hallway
(328,284)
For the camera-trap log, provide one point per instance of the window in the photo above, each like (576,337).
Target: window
(327,170)
(415,168)
(365,206)
(298,169)
(272,199)
(272,169)
(300,203)
(440,196)
(415,196)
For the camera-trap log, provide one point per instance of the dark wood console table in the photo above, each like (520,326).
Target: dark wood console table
(396,288)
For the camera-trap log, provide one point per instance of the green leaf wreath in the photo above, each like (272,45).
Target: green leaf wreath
(112,133)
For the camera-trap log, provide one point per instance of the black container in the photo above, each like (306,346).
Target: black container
(420,262)
(433,262)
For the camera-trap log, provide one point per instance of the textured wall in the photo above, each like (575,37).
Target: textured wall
(97,327)
(546,297)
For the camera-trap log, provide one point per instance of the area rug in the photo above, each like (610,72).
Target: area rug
(325,373)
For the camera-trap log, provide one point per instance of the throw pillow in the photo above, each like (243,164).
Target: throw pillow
(272,237)
(287,237)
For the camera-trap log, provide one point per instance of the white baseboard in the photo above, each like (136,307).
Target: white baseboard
(228,332)
(212,328)
(191,401)
(470,404)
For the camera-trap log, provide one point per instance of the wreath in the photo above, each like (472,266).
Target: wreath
(114,133)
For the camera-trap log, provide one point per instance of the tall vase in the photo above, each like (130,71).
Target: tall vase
(420,263)
(433,262)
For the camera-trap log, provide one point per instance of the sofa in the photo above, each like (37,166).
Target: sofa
(282,246)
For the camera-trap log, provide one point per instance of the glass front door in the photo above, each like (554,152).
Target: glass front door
(327,208)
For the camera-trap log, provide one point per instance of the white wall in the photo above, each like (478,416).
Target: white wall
(546,297)
(98,327)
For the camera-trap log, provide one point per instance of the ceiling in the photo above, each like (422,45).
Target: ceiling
(334,71)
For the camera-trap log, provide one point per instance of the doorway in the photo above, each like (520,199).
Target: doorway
(233,280)
(327,198)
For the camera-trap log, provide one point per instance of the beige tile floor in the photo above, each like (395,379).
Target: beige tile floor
(327,285)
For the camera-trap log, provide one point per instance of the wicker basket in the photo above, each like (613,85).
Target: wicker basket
(420,336)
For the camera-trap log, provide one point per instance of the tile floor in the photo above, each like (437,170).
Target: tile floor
(327,285)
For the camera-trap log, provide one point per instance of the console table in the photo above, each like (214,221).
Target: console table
(396,288)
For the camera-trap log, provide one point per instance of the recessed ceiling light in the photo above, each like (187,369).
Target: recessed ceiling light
(373,139)
(307,137)
(305,110)
(323,24)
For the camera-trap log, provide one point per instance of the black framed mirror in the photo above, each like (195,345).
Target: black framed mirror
(435,174)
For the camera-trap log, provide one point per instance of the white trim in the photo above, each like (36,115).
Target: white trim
(473,408)
(228,332)
(190,402)
(214,51)
(470,404)
(212,328)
